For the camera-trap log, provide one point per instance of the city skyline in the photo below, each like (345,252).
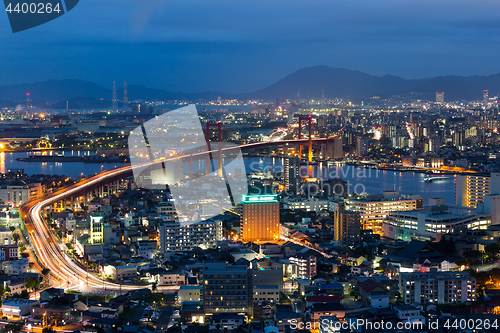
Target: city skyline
(236,166)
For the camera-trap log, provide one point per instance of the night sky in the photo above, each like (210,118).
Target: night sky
(241,46)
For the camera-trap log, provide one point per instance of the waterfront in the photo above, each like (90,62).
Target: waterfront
(71,169)
(360,180)
(371,181)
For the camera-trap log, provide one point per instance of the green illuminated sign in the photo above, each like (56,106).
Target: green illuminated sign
(260,198)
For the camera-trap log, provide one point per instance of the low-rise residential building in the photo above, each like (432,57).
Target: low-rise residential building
(58,313)
(19,192)
(120,273)
(188,294)
(226,322)
(9,252)
(405,311)
(17,307)
(16,267)
(146,248)
(319,310)
(170,278)
(266,293)
(374,294)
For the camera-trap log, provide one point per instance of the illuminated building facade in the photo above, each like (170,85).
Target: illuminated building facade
(260,218)
(437,287)
(224,288)
(432,222)
(292,174)
(184,236)
(347,226)
(96,230)
(374,208)
(471,189)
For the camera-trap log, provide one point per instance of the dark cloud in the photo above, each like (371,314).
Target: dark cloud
(237,46)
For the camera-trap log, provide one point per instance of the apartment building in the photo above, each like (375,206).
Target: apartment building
(437,287)
(182,236)
(225,288)
(347,226)
(471,189)
(306,264)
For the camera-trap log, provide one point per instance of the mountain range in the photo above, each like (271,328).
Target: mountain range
(336,82)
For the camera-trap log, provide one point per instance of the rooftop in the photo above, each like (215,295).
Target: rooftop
(18,302)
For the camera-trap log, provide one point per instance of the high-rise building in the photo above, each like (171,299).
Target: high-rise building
(260,218)
(437,287)
(440,97)
(184,236)
(486,98)
(337,148)
(471,189)
(225,288)
(361,146)
(292,174)
(347,226)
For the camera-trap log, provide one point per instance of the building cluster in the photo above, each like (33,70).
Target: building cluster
(298,250)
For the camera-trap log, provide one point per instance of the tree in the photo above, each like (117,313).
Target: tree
(230,259)
(492,249)
(45,271)
(33,283)
(154,286)
(15,237)
(289,217)
(14,327)
(24,294)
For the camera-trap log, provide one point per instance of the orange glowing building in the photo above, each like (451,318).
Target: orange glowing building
(260,218)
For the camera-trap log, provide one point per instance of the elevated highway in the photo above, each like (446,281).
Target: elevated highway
(50,252)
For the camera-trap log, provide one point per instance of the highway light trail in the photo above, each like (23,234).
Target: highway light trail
(53,257)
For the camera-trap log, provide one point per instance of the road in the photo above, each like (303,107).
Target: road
(326,255)
(51,253)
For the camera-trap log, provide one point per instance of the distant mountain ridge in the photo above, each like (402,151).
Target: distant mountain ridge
(337,83)
(351,84)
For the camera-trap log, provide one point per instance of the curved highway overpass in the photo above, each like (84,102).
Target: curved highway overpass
(51,253)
